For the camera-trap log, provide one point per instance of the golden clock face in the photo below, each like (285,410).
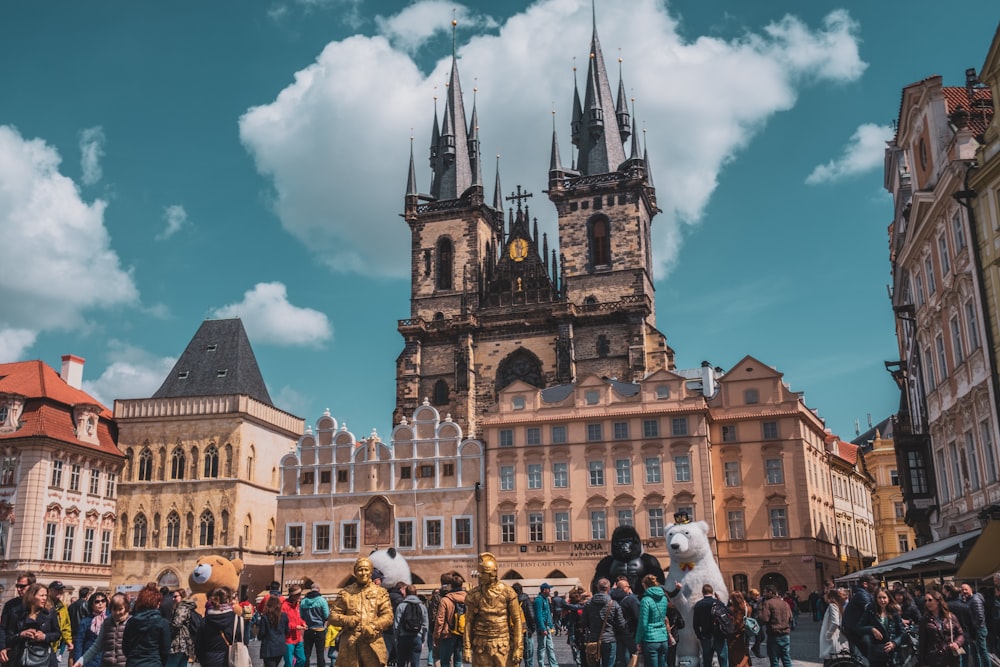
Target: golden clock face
(518,249)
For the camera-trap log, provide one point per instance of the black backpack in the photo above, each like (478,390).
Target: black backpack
(194,622)
(412,620)
(722,620)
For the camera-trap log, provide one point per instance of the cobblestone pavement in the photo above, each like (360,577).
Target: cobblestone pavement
(805,649)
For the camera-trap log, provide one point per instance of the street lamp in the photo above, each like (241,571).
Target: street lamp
(285,552)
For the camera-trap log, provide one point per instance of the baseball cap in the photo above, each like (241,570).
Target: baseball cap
(544,587)
(57,585)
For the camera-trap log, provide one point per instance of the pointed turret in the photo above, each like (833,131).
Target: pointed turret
(435,135)
(452,167)
(497,190)
(645,158)
(474,162)
(621,109)
(411,179)
(577,120)
(601,146)
(555,162)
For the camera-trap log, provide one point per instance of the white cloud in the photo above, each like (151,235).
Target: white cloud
(335,141)
(865,150)
(290,400)
(270,318)
(15,343)
(91,151)
(411,28)
(174,217)
(131,373)
(56,260)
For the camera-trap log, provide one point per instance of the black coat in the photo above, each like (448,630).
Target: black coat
(211,645)
(603,612)
(272,639)
(891,632)
(47,621)
(146,642)
(935,635)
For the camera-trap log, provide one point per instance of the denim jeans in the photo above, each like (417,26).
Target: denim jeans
(529,649)
(716,645)
(176,660)
(546,650)
(976,646)
(315,639)
(450,651)
(779,649)
(608,652)
(408,650)
(654,654)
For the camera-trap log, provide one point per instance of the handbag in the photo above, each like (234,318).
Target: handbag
(593,649)
(239,655)
(35,655)
(750,624)
(951,632)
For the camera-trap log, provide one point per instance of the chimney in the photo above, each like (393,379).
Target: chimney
(72,370)
(707,379)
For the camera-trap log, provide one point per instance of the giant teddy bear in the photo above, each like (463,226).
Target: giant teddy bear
(628,559)
(692,565)
(209,573)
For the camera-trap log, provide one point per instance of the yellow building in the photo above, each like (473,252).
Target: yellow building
(201,472)
(892,536)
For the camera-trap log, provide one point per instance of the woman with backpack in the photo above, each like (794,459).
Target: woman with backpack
(739,640)
(184,623)
(410,628)
(217,632)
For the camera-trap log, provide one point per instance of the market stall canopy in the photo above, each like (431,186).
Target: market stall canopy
(939,556)
(984,558)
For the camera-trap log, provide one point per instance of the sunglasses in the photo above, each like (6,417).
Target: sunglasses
(100,601)
(20,586)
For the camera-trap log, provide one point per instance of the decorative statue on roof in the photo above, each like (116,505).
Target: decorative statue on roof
(627,559)
(494,636)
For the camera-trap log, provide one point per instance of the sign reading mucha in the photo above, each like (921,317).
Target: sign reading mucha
(378,522)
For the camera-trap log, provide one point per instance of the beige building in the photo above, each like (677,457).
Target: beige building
(202,459)
(59,477)
(568,464)
(852,487)
(946,430)
(421,494)
(892,536)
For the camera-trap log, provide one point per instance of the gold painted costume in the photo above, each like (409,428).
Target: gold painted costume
(363,611)
(494,636)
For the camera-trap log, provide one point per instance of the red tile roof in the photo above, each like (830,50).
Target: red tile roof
(980,108)
(48,406)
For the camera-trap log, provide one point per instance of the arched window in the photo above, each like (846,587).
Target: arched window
(206,533)
(247,523)
(177,464)
(600,242)
(139,531)
(440,393)
(145,465)
(445,260)
(173,530)
(250,462)
(520,365)
(211,462)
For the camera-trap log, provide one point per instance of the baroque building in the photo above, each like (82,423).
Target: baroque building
(202,457)
(491,303)
(59,477)
(420,493)
(946,434)
(892,536)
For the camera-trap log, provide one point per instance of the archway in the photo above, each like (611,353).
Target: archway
(776,580)
(511,574)
(169,579)
(521,364)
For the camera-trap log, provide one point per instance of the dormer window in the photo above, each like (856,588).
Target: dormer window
(86,419)
(221,373)
(183,375)
(212,348)
(11,406)
(4,413)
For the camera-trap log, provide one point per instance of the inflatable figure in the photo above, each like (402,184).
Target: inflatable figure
(209,573)
(692,564)
(392,565)
(627,558)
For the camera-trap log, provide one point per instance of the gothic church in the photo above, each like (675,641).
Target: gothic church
(490,303)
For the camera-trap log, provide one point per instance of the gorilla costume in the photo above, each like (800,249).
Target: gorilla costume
(627,558)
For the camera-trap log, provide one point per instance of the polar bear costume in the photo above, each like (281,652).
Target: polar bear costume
(692,564)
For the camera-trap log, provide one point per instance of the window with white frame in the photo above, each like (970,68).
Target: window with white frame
(894,477)
(596,469)
(69,541)
(779,522)
(534,475)
(775,471)
(943,477)
(929,375)
(462,530)
(88,545)
(9,472)
(506,478)
(943,253)
(536,523)
(49,546)
(623,471)
(900,510)
(404,534)
(598,525)
(105,547)
(109,491)
(95,481)
(562,526)
(654,473)
(729,433)
(956,468)
(904,542)
(918,281)
(662,392)
(731,471)
(737,529)
(507,533)
(560,475)
(972,457)
(956,341)
(295,535)
(942,359)
(931,281)
(433,533)
(322,537)
(626,517)
(972,324)
(986,437)
(349,536)
(958,231)
(656,522)
(57,470)
(682,468)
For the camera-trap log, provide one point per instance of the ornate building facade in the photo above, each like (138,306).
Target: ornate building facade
(420,493)
(59,477)
(892,536)
(491,304)
(946,430)
(202,460)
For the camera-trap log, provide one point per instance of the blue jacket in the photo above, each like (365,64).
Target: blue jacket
(314,610)
(652,612)
(272,639)
(146,642)
(543,614)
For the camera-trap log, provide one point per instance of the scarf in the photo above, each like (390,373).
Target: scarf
(96,622)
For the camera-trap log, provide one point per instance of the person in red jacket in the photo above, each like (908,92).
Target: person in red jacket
(295,655)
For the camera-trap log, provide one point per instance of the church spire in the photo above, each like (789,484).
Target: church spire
(474,161)
(497,190)
(411,179)
(555,162)
(577,119)
(601,146)
(452,166)
(621,109)
(635,137)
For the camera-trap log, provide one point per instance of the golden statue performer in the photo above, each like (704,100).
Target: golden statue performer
(363,611)
(493,633)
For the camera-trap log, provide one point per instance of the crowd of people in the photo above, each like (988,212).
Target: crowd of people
(948,626)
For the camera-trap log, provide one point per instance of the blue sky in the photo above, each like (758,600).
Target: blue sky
(161,163)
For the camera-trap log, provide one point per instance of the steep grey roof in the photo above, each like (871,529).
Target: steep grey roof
(884,429)
(217,362)
(601,147)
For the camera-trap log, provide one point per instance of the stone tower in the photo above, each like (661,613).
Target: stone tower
(490,303)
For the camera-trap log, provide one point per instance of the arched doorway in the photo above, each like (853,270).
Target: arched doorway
(169,579)
(511,574)
(776,580)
